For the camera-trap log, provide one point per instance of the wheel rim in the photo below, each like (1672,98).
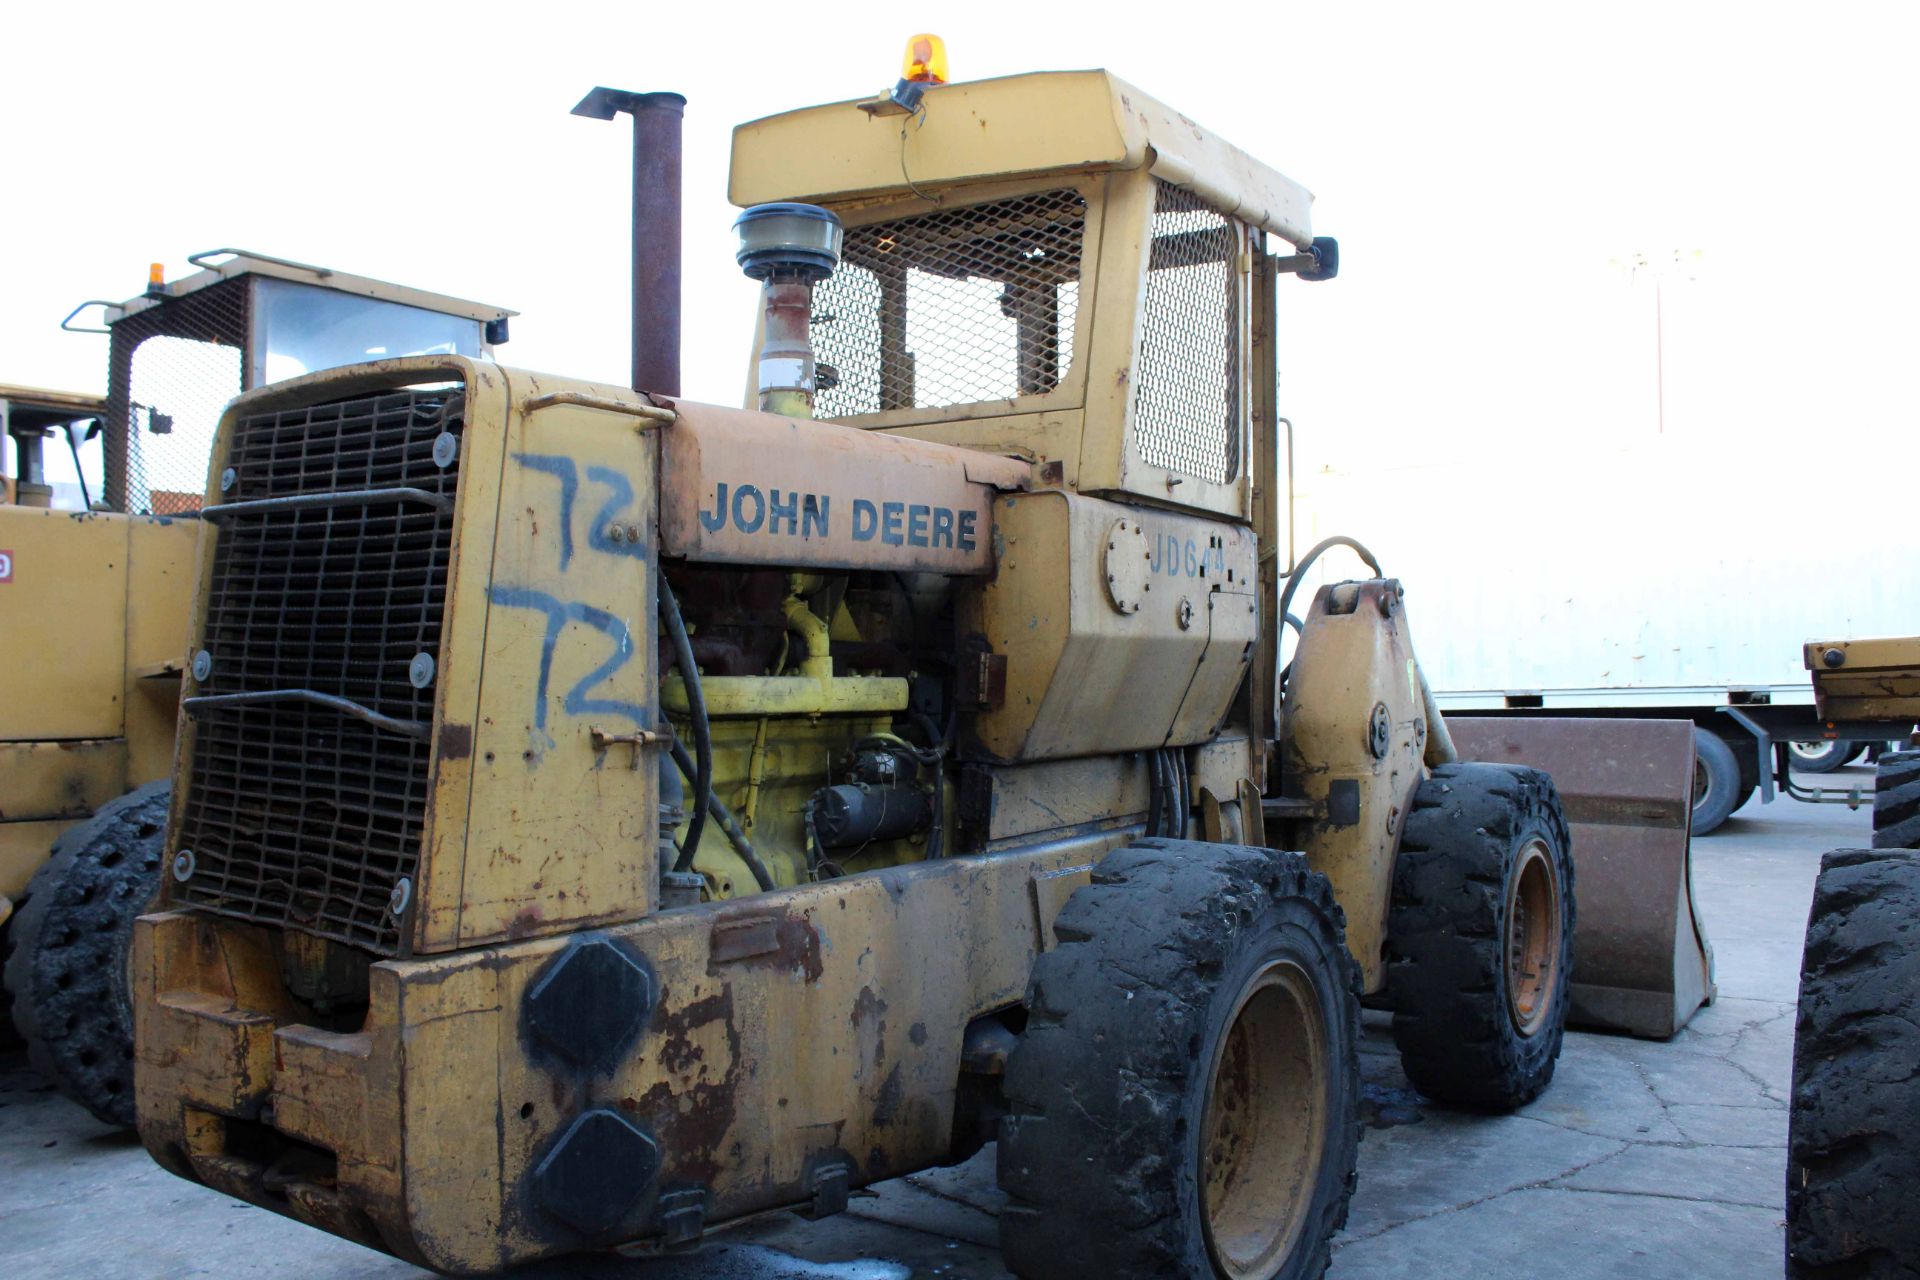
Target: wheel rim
(1533,938)
(1265,1131)
(1812,752)
(1702,781)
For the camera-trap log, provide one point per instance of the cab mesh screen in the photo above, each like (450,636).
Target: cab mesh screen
(1186,404)
(953,307)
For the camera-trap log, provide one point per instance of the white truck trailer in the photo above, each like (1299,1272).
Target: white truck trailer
(1662,578)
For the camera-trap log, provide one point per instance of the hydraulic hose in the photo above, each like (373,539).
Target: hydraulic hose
(702,731)
(724,816)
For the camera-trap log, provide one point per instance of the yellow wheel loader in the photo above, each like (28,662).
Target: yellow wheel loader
(95,592)
(602,817)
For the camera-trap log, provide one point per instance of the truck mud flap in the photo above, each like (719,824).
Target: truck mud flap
(1641,960)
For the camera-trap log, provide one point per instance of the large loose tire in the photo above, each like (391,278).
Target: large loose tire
(67,957)
(1896,801)
(1718,788)
(1480,935)
(1853,1167)
(1185,1097)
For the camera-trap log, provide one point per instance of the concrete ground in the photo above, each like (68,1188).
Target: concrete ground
(1644,1160)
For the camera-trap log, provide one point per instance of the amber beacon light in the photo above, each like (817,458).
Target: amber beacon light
(925,61)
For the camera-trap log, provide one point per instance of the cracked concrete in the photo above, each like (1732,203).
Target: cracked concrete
(1643,1159)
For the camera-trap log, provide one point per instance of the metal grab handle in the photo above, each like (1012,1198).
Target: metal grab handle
(200,260)
(310,501)
(71,327)
(345,706)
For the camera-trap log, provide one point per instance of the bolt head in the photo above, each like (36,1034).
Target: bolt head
(202,665)
(228,479)
(183,865)
(1834,657)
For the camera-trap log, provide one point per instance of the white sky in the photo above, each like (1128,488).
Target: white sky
(1482,165)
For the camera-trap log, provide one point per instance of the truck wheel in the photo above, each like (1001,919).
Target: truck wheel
(1716,781)
(1853,1170)
(1185,1097)
(1822,757)
(67,962)
(1480,935)
(1896,801)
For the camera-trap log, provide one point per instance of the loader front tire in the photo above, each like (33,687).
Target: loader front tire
(1480,935)
(1853,1169)
(1896,801)
(67,959)
(1185,1097)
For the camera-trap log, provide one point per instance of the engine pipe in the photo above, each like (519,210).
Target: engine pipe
(657,120)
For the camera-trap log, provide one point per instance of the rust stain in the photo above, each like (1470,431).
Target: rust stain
(796,944)
(456,741)
(693,1116)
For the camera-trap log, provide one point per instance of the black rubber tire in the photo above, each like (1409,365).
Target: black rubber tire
(1896,801)
(1836,754)
(1101,1154)
(1719,770)
(67,951)
(1853,1168)
(1447,931)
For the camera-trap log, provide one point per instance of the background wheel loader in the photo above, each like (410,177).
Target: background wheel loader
(1853,1170)
(641,814)
(95,592)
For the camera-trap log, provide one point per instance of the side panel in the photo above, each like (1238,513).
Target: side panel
(567,646)
(1149,659)
(63,624)
(160,585)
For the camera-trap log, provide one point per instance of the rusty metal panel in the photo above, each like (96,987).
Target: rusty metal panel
(1123,628)
(752,488)
(822,1023)
(1866,679)
(555,830)
(1641,960)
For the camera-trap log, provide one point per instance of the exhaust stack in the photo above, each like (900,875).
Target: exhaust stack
(656,229)
(789,248)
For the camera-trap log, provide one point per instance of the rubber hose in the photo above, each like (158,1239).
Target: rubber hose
(728,824)
(1153,793)
(702,731)
(1299,575)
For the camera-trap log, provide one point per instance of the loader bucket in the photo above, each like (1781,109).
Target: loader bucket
(1641,960)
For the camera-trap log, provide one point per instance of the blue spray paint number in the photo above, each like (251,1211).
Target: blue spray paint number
(558,614)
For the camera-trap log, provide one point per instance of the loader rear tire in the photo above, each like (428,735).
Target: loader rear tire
(1853,1169)
(1896,801)
(1480,935)
(67,960)
(1185,1097)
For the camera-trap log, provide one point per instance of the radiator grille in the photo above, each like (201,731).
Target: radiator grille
(953,307)
(1187,389)
(297,814)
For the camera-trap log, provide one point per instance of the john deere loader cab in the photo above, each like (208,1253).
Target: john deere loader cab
(97,534)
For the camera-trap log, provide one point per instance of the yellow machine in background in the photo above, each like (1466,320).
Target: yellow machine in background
(601,817)
(96,586)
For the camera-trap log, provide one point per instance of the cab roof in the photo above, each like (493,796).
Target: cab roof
(985,130)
